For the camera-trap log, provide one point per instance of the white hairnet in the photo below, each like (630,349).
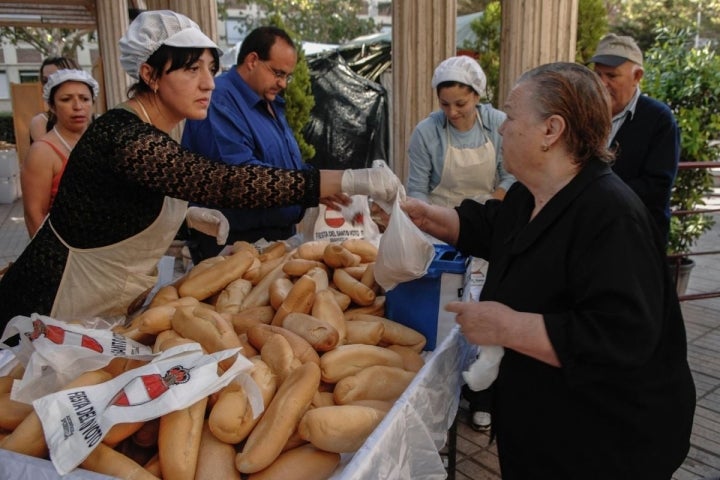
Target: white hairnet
(461,69)
(68,75)
(154,28)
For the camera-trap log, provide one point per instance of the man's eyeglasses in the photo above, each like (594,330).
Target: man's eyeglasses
(279,74)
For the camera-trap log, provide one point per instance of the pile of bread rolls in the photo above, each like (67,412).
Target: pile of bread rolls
(327,362)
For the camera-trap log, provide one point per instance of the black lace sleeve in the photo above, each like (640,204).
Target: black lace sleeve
(122,168)
(153,159)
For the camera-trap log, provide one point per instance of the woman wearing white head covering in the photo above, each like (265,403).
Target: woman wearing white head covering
(125,189)
(455,152)
(70,95)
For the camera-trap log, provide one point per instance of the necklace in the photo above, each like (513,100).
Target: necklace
(62,140)
(142,108)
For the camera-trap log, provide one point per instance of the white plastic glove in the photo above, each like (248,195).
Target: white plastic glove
(483,372)
(378,182)
(208,221)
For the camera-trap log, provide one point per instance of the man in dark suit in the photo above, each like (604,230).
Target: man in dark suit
(644,134)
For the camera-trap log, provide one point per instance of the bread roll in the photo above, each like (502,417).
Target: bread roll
(348,360)
(312,250)
(305,462)
(395,333)
(321,334)
(216,459)
(296,267)
(248,317)
(231,297)
(103,459)
(337,256)
(259,334)
(179,441)
(325,307)
(412,360)
(281,418)
(364,248)
(365,332)
(260,294)
(340,428)
(212,280)
(378,382)
(299,299)
(359,293)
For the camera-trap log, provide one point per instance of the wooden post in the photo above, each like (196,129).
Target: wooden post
(423,34)
(534,32)
(112,23)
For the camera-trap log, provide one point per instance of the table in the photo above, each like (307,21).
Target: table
(407,441)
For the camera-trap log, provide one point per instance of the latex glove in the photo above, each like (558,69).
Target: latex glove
(378,182)
(483,372)
(208,221)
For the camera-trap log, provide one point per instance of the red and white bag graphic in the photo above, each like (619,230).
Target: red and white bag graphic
(76,420)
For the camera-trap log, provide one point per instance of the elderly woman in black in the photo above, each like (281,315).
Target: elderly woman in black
(594,383)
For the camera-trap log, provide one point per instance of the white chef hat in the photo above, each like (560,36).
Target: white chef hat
(461,69)
(154,28)
(69,75)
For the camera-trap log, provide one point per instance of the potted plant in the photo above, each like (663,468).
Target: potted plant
(687,79)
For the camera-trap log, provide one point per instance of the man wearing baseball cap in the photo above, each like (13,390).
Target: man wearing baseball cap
(644,134)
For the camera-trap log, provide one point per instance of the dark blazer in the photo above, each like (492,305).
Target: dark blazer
(621,405)
(647,154)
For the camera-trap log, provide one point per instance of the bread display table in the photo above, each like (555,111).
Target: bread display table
(407,441)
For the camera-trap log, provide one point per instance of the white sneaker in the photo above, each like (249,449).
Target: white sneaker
(480,421)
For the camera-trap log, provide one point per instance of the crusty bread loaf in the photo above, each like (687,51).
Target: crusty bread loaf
(378,382)
(340,428)
(319,333)
(218,276)
(347,360)
(265,442)
(305,462)
(179,440)
(216,459)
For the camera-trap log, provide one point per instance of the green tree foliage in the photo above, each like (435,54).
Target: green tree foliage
(465,7)
(687,78)
(328,21)
(487,33)
(641,18)
(298,94)
(592,24)
(50,42)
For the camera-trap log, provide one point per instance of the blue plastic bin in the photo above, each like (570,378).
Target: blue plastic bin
(419,303)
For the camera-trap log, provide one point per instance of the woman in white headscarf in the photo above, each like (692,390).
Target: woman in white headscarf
(455,152)
(70,95)
(125,189)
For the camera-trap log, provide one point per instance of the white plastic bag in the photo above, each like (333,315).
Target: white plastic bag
(483,371)
(405,252)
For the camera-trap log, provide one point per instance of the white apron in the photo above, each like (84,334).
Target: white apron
(467,173)
(108,281)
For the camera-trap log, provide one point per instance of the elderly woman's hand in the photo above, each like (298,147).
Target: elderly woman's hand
(494,323)
(482,323)
(416,210)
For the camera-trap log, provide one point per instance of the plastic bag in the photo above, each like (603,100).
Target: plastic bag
(483,371)
(405,252)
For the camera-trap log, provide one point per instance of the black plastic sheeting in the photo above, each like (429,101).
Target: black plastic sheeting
(349,124)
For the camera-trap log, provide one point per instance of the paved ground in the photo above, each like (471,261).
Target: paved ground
(476,459)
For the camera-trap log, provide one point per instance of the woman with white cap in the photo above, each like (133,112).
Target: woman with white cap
(455,152)
(125,189)
(70,95)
